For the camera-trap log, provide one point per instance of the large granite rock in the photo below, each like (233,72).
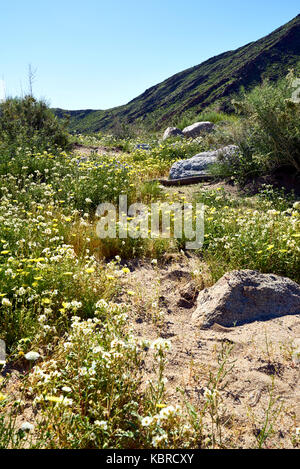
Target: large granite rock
(199,128)
(199,164)
(172,132)
(245,296)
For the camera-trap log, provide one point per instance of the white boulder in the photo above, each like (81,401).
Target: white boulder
(199,164)
(199,128)
(172,132)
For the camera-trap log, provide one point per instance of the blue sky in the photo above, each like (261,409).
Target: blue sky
(100,53)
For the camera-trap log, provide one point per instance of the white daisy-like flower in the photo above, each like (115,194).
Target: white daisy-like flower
(27,427)
(146,422)
(101,424)
(6,302)
(66,389)
(32,356)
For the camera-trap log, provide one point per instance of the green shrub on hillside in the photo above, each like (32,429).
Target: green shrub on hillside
(30,123)
(269,132)
(209,115)
(274,120)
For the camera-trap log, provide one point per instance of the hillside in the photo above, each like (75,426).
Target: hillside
(215,80)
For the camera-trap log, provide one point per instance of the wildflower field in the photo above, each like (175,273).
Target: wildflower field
(66,310)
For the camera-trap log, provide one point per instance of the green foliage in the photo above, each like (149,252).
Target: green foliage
(268,134)
(173,149)
(26,122)
(216,117)
(255,233)
(273,125)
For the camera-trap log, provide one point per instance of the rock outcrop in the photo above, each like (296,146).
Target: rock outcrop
(197,129)
(192,131)
(199,164)
(172,132)
(245,296)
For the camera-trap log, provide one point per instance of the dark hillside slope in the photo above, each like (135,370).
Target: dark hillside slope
(215,80)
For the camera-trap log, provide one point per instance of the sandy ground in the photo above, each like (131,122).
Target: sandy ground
(261,354)
(260,364)
(83,150)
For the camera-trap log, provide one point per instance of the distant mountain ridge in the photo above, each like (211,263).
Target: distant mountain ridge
(215,80)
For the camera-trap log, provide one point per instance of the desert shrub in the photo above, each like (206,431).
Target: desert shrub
(216,117)
(242,166)
(275,124)
(209,115)
(30,123)
(149,191)
(269,132)
(273,119)
(121,129)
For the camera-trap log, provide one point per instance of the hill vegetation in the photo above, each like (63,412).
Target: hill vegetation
(214,82)
(27,122)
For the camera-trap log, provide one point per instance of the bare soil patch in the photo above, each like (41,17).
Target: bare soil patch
(261,352)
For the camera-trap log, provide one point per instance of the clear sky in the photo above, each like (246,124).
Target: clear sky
(102,53)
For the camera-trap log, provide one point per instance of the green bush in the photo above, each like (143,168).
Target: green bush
(30,123)
(274,121)
(209,115)
(269,132)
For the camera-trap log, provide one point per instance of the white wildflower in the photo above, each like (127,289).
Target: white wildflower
(27,427)
(101,424)
(6,302)
(32,356)
(147,421)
